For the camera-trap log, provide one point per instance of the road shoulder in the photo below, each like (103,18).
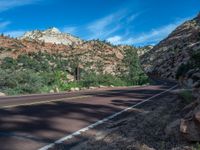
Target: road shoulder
(144,127)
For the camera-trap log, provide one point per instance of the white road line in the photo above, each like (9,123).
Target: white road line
(101,121)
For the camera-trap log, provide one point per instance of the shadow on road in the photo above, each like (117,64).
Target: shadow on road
(46,123)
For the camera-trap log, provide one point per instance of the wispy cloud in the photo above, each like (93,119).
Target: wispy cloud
(101,26)
(8,4)
(14,33)
(104,27)
(132,17)
(71,29)
(156,35)
(115,39)
(3,27)
(4,24)
(153,36)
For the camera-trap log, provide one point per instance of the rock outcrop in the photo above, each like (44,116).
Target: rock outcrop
(52,35)
(166,57)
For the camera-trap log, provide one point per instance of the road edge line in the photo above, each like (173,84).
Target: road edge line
(44,102)
(78,132)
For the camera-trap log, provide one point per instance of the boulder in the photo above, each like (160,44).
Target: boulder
(51,91)
(2,94)
(83,88)
(76,89)
(102,86)
(190,129)
(72,89)
(92,87)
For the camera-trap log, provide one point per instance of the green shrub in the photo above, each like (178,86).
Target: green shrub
(186,95)
(8,63)
(20,82)
(93,79)
(136,75)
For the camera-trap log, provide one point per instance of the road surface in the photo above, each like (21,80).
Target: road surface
(34,121)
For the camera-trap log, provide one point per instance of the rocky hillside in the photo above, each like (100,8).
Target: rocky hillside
(34,66)
(52,35)
(166,57)
(90,54)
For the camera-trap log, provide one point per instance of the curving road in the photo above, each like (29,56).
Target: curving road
(33,121)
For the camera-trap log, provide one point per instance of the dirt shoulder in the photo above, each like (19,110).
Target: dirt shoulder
(147,127)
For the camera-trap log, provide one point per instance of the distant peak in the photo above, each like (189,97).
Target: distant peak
(54,30)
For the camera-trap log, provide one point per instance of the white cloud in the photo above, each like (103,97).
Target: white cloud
(8,4)
(4,24)
(156,35)
(16,33)
(107,25)
(132,17)
(115,39)
(153,36)
(71,30)
(100,27)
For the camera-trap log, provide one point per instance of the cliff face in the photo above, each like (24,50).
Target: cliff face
(166,57)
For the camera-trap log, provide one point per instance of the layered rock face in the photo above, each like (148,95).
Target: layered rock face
(166,57)
(52,35)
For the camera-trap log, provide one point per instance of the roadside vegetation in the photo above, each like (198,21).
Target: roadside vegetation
(186,96)
(43,72)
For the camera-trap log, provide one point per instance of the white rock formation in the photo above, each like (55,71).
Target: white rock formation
(52,35)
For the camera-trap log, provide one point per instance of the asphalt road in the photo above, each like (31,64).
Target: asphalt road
(34,121)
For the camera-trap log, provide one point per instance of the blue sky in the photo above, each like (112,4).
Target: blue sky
(134,22)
